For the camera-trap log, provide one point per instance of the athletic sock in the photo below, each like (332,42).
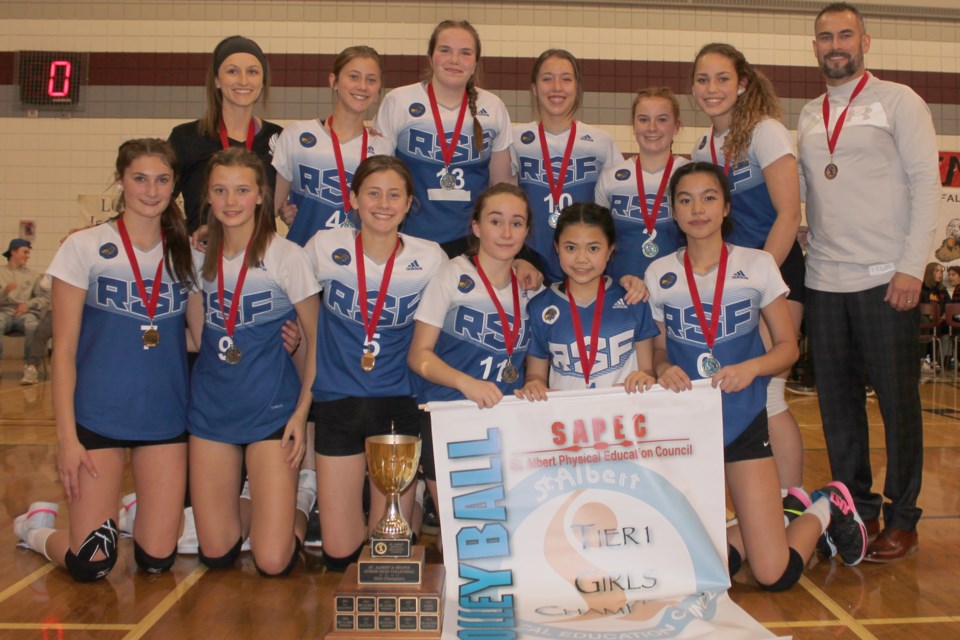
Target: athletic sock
(37,540)
(821,509)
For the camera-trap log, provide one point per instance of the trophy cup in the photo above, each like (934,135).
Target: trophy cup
(390,588)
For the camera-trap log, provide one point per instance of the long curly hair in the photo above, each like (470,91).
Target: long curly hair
(758,101)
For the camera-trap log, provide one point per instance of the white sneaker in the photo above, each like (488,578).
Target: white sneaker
(188,544)
(128,513)
(41,515)
(30,375)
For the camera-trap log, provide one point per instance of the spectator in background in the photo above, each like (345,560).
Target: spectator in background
(22,301)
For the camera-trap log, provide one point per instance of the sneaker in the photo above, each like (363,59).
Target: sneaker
(29,375)
(128,513)
(794,504)
(188,543)
(40,515)
(869,391)
(312,538)
(847,532)
(801,389)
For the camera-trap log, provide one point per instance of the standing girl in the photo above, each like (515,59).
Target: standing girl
(557,160)
(120,298)
(452,157)
(315,159)
(471,334)
(372,280)
(584,333)
(253,282)
(635,190)
(758,157)
(237,79)
(725,346)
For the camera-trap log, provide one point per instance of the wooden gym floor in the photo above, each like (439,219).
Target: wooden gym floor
(918,597)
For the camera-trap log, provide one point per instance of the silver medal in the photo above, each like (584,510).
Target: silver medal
(447,181)
(707,365)
(650,248)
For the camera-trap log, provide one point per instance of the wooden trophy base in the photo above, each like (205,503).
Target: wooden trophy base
(377,611)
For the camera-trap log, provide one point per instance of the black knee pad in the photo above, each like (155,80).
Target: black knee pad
(734,560)
(790,575)
(297,545)
(340,564)
(82,566)
(225,561)
(150,564)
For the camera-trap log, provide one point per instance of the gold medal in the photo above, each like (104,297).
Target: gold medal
(151,337)
(367,361)
(232,355)
(510,374)
(830,171)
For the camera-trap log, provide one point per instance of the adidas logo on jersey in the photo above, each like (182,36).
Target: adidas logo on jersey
(739,275)
(586,138)
(482,112)
(620,304)
(414,266)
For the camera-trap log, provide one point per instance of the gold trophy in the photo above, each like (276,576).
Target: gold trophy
(390,588)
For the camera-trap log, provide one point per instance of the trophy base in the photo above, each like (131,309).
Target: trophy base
(362,611)
(392,571)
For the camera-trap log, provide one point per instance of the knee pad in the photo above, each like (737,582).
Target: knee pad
(790,575)
(82,566)
(150,564)
(225,561)
(734,560)
(297,545)
(340,564)
(776,403)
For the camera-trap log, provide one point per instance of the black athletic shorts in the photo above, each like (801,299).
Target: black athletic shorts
(794,273)
(342,426)
(92,440)
(752,444)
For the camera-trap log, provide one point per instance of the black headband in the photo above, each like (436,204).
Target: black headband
(237,44)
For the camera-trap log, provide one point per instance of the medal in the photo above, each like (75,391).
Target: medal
(248,143)
(150,337)
(556,186)
(232,354)
(707,364)
(831,170)
(713,156)
(368,360)
(341,171)
(510,336)
(587,361)
(649,248)
(447,180)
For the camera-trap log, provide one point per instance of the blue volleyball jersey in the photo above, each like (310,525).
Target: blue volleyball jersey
(752,282)
(617,190)
(592,151)
(751,208)
(405,118)
(305,157)
(554,338)
(124,390)
(341,337)
(249,400)
(471,334)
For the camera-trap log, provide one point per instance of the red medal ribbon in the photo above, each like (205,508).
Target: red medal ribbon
(713,154)
(341,172)
(650,219)
(445,149)
(832,139)
(587,363)
(150,304)
(248,143)
(230,320)
(709,331)
(556,188)
(509,336)
(370,325)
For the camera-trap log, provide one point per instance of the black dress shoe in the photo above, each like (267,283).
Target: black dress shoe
(891,545)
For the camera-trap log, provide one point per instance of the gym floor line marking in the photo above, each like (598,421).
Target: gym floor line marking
(865,622)
(802,624)
(166,604)
(845,618)
(63,626)
(21,584)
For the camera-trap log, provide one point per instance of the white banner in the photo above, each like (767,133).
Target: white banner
(593,515)
(946,244)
